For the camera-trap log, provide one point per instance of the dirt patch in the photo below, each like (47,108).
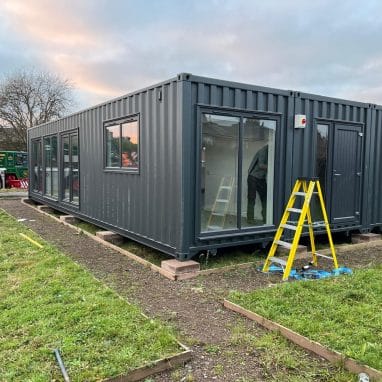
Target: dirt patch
(194,307)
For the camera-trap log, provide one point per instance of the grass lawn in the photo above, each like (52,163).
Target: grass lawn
(47,301)
(343,313)
(231,256)
(91,228)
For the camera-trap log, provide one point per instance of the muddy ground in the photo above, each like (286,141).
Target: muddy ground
(193,307)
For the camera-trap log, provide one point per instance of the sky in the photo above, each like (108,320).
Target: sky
(108,48)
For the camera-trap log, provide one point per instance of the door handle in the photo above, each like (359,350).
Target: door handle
(337,174)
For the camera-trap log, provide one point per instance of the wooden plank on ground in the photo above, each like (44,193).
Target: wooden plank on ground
(154,368)
(331,355)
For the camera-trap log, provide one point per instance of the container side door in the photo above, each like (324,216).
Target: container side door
(346,174)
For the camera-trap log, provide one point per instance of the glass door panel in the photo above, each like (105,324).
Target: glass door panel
(219,172)
(36,176)
(47,166)
(322,135)
(257,172)
(66,168)
(54,166)
(75,169)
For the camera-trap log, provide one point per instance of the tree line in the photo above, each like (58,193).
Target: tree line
(27,99)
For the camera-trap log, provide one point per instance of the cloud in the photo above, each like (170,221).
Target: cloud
(109,48)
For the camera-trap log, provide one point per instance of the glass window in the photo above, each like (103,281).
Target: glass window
(21,159)
(66,167)
(322,154)
(47,166)
(321,167)
(122,145)
(257,171)
(54,166)
(71,179)
(36,166)
(129,146)
(75,169)
(113,151)
(229,142)
(219,176)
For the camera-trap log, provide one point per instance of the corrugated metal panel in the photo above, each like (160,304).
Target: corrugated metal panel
(374,187)
(146,206)
(238,98)
(318,108)
(331,111)
(159,207)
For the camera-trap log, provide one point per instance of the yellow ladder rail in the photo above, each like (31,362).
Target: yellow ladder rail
(306,188)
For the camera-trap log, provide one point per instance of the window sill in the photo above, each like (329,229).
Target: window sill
(121,170)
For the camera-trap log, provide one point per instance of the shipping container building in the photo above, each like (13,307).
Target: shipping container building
(195,164)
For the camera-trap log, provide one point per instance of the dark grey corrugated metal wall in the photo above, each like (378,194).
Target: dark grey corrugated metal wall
(319,109)
(324,109)
(160,206)
(374,187)
(147,205)
(247,99)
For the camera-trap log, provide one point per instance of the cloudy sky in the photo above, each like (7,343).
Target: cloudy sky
(110,47)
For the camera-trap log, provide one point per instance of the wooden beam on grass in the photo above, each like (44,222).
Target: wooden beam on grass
(315,347)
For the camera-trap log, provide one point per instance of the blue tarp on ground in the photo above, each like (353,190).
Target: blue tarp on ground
(311,274)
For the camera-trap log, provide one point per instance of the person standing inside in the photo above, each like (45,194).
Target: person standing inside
(257,183)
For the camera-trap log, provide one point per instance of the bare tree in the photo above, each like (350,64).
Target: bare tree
(29,98)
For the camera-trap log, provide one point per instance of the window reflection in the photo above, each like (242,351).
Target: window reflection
(75,169)
(36,175)
(71,180)
(50,166)
(66,168)
(130,145)
(321,167)
(258,171)
(219,172)
(113,156)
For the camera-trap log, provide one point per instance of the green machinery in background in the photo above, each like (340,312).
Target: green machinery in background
(15,164)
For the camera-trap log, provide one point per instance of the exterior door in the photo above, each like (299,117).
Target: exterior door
(70,168)
(346,174)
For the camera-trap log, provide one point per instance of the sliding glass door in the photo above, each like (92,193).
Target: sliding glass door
(220,147)
(50,166)
(237,163)
(36,165)
(258,162)
(70,168)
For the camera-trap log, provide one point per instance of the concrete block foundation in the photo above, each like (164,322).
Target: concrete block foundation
(365,237)
(70,219)
(181,269)
(45,208)
(110,237)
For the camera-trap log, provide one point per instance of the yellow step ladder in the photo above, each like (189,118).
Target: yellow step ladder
(305,188)
(220,208)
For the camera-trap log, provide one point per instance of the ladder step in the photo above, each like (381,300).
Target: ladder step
(284,244)
(297,210)
(214,227)
(217,213)
(289,226)
(300,193)
(324,256)
(222,200)
(315,225)
(278,261)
